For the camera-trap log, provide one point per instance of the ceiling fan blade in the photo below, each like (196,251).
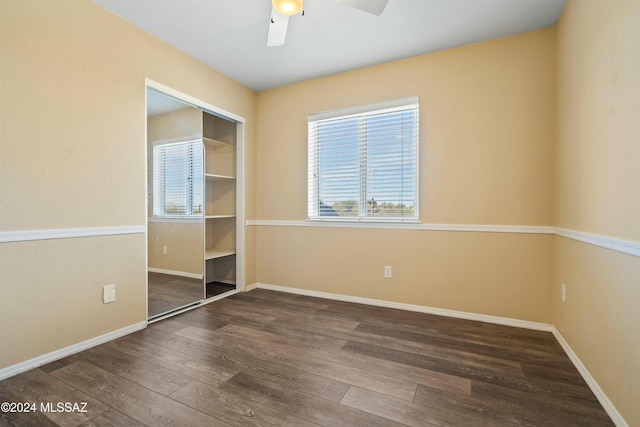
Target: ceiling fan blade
(375,7)
(277,29)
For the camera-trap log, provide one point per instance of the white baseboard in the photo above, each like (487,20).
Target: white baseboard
(410,307)
(68,351)
(250,287)
(591,382)
(593,385)
(176,273)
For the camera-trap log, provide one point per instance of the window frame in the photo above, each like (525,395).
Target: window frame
(362,112)
(195,144)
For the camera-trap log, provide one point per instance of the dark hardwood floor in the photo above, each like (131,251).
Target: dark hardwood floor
(217,288)
(265,358)
(168,292)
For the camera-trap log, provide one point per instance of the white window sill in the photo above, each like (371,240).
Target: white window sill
(363,221)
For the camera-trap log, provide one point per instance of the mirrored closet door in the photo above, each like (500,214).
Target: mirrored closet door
(175,197)
(193,203)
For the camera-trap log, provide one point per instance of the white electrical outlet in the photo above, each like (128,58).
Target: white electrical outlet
(164,250)
(108,293)
(563,293)
(387,272)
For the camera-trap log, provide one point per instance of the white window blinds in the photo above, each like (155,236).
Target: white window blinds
(178,179)
(363,163)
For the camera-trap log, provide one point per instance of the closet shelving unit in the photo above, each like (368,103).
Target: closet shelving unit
(219,139)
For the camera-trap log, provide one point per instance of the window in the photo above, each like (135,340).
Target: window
(178,179)
(363,163)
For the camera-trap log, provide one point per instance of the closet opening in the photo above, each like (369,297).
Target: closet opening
(195,209)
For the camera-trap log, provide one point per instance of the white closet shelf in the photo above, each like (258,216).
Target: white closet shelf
(215,177)
(219,216)
(214,143)
(213,253)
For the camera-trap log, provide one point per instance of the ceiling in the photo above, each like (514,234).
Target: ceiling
(331,37)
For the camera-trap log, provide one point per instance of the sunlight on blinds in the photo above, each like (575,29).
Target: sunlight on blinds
(364,165)
(178,179)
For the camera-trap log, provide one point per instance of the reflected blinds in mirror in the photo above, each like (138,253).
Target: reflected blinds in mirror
(177,179)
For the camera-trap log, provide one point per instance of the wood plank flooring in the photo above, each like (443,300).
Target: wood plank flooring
(168,292)
(271,359)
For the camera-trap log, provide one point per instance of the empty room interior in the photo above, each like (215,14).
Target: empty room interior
(368,212)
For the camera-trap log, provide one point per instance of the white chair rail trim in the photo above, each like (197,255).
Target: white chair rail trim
(612,243)
(618,245)
(68,233)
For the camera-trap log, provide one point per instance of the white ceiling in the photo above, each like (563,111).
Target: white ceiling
(230,35)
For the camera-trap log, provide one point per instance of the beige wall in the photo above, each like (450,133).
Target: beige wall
(72,155)
(181,124)
(184,239)
(598,191)
(496,148)
(486,130)
(496,274)
(486,145)
(51,292)
(597,149)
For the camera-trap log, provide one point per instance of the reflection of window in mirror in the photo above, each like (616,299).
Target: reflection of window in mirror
(177,179)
